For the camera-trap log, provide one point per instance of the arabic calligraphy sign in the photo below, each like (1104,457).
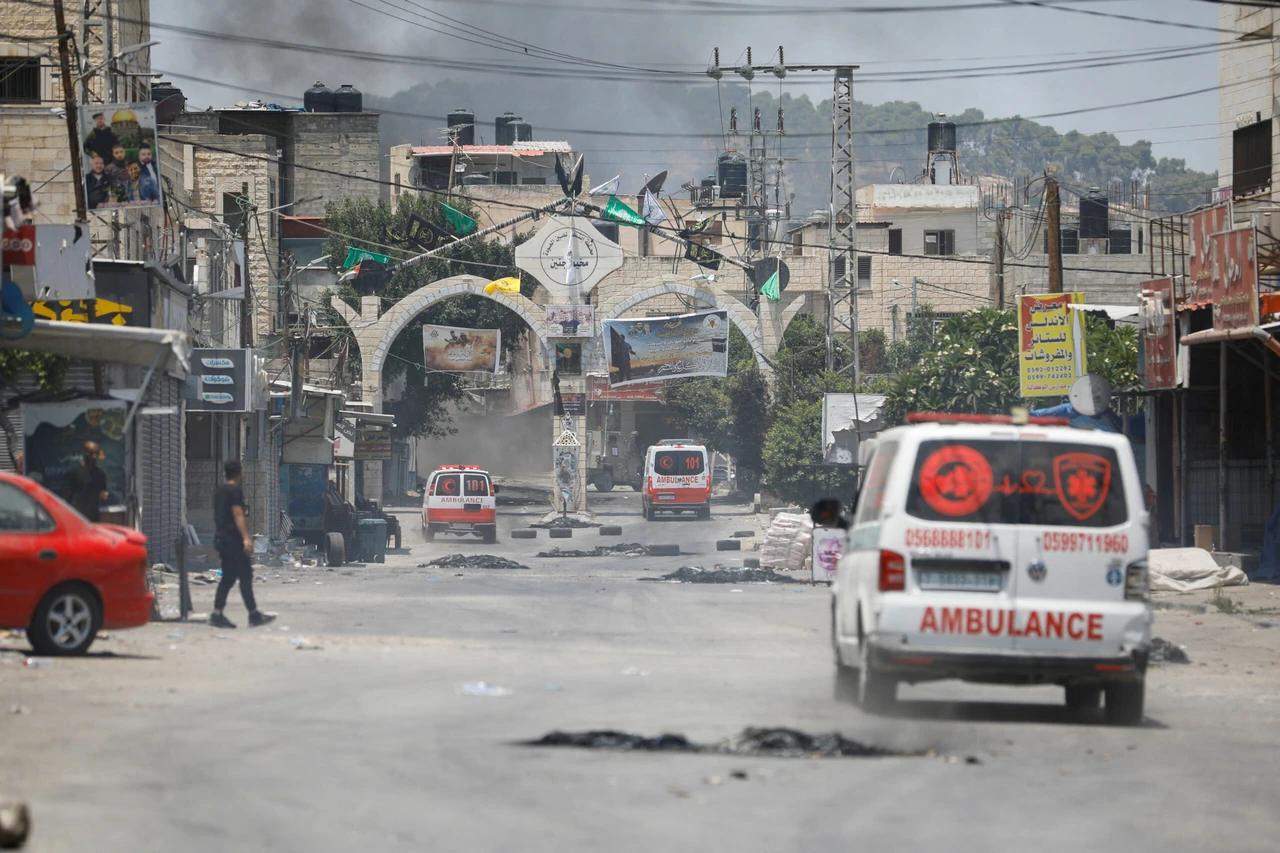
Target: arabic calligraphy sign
(1050,344)
(1235,279)
(568,257)
(1200,278)
(660,348)
(1159,335)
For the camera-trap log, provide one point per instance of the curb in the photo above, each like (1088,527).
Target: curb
(560,532)
(663,550)
(728,544)
(524,534)
(611,530)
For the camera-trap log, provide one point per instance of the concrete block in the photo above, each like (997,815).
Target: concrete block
(560,533)
(611,530)
(728,544)
(524,534)
(663,550)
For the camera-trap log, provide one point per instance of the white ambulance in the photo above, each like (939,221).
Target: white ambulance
(676,479)
(1000,553)
(462,500)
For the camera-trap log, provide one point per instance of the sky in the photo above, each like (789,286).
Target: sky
(890,37)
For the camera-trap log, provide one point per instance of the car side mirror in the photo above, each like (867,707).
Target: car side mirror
(496,489)
(825,512)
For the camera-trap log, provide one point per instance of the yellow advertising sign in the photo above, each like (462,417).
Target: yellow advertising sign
(1051,352)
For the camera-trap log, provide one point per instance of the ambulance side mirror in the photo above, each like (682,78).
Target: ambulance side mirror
(825,512)
(496,489)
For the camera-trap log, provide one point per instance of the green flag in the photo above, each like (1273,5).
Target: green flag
(355,256)
(461,223)
(619,212)
(770,289)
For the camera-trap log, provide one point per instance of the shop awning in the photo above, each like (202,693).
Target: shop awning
(114,344)
(1262,334)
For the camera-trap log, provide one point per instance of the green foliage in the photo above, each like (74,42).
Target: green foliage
(906,353)
(873,355)
(422,411)
(801,359)
(1112,352)
(48,370)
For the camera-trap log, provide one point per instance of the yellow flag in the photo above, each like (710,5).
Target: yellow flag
(502,285)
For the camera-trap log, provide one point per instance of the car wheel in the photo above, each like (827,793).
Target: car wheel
(876,691)
(705,513)
(66,621)
(1125,702)
(1083,697)
(397,539)
(335,549)
(845,688)
(489,536)
(604,481)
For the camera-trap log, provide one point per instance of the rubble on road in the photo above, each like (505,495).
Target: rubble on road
(471,561)
(774,742)
(1163,651)
(573,521)
(623,549)
(723,574)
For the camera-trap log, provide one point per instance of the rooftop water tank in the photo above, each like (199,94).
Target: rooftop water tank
(465,122)
(731,172)
(169,101)
(500,135)
(942,135)
(318,99)
(520,131)
(348,99)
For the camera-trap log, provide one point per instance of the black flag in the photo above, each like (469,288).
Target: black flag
(561,176)
(576,189)
(426,236)
(702,256)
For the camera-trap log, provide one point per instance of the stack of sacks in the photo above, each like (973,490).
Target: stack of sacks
(786,545)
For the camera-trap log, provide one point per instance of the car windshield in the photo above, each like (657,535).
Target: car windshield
(678,463)
(1017,482)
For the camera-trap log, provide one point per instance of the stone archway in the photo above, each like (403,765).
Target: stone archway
(737,312)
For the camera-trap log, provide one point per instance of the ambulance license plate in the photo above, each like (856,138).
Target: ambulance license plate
(959,581)
(666,497)
(459,525)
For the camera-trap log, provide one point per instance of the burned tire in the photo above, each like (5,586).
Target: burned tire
(1125,702)
(1083,697)
(335,550)
(524,534)
(66,621)
(728,545)
(663,550)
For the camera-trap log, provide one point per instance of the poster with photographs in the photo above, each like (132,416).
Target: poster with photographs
(571,321)
(121,160)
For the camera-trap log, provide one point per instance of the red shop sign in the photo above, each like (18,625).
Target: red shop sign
(20,246)
(1159,334)
(1200,276)
(1235,292)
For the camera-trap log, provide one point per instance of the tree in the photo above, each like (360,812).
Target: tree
(873,355)
(801,359)
(373,226)
(793,462)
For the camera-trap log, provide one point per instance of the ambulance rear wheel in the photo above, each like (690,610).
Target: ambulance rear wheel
(1083,697)
(876,691)
(650,514)
(428,534)
(1125,702)
(489,536)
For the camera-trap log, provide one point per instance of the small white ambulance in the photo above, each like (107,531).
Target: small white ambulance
(999,553)
(676,479)
(462,500)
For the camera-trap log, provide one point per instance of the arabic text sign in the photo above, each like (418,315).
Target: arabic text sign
(1235,280)
(660,348)
(372,445)
(1050,344)
(1159,336)
(449,348)
(1200,277)
(640,392)
(571,321)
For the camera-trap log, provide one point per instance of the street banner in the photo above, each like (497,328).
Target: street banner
(660,348)
(1050,344)
(449,348)
(1235,279)
(571,321)
(220,381)
(702,256)
(53,437)
(1200,278)
(1159,334)
(598,388)
(355,256)
(573,404)
(121,162)
(827,543)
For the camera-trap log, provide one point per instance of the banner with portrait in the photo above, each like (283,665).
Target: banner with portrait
(450,348)
(660,348)
(53,437)
(121,157)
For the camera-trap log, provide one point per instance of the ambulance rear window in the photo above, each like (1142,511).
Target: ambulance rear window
(1017,482)
(448,485)
(475,484)
(678,463)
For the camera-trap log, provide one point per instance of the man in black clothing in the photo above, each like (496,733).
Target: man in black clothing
(86,484)
(101,139)
(234,545)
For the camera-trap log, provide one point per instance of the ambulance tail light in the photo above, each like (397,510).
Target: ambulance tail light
(1137,583)
(893,572)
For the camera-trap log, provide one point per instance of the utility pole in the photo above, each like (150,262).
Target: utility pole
(246,331)
(997,274)
(69,104)
(1053,204)
(842,230)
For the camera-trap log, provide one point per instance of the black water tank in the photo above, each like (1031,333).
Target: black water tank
(348,99)
(500,134)
(520,131)
(169,101)
(465,122)
(1122,241)
(942,135)
(731,172)
(318,99)
(1093,217)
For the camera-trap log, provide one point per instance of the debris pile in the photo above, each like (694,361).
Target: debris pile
(624,549)
(723,574)
(471,561)
(565,521)
(1163,651)
(774,742)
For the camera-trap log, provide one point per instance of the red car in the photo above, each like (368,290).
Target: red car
(63,578)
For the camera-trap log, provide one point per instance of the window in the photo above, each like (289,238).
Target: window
(232,215)
(476,485)
(797,244)
(447,485)
(864,271)
(199,436)
(871,499)
(20,80)
(1251,158)
(678,463)
(841,267)
(895,241)
(19,512)
(939,242)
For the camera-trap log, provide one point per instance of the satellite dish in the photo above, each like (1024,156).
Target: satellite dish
(655,183)
(764,269)
(1090,395)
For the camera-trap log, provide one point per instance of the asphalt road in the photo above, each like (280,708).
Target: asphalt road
(180,737)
